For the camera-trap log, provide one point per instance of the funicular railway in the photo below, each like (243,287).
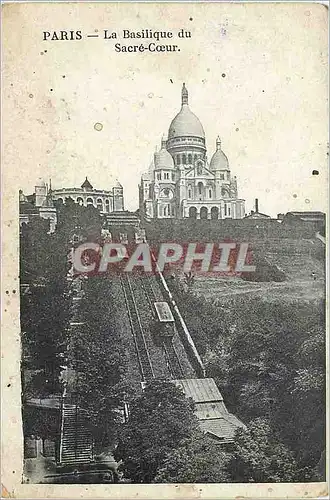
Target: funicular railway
(160,330)
(145,365)
(163,323)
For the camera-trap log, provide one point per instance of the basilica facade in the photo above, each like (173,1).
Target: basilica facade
(181,183)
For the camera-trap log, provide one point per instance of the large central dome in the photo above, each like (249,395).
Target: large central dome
(185,123)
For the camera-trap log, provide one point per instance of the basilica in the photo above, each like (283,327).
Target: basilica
(181,182)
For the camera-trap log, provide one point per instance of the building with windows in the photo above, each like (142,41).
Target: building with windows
(181,183)
(106,201)
(44,200)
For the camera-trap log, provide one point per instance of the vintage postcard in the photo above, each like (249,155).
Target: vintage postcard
(164,201)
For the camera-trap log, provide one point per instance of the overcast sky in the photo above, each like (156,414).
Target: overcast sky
(256,75)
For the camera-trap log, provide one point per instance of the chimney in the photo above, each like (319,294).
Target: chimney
(257,205)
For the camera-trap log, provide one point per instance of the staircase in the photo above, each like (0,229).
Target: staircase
(76,442)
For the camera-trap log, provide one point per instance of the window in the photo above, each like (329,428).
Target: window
(173,176)
(189,159)
(184,159)
(166,176)
(80,201)
(123,238)
(99,204)
(210,193)
(200,187)
(229,211)
(159,176)
(225,209)
(107,205)
(189,194)
(222,177)
(195,158)
(178,160)
(90,201)
(199,169)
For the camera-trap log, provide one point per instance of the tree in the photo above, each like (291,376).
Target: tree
(45,307)
(99,358)
(46,303)
(259,457)
(159,420)
(199,459)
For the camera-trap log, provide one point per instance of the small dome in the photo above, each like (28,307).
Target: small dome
(185,123)
(87,185)
(41,182)
(22,196)
(219,160)
(162,158)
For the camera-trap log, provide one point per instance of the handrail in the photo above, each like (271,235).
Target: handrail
(62,424)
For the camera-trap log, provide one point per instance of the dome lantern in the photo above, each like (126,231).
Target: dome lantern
(184,95)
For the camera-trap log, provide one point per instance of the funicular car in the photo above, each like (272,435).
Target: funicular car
(164,324)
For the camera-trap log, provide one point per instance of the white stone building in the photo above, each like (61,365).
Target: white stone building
(106,201)
(182,183)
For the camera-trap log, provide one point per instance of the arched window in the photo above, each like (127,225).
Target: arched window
(189,159)
(99,204)
(90,201)
(178,159)
(214,213)
(107,205)
(80,201)
(210,193)
(200,188)
(184,159)
(189,193)
(192,212)
(195,158)
(203,213)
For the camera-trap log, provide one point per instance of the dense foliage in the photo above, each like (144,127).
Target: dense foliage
(160,419)
(268,359)
(99,358)
(45,293)
(45,308)
(198,459)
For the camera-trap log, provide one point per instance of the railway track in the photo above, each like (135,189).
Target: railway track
(144,360)
(171,355)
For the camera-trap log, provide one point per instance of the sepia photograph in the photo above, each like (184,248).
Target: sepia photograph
(164,200)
